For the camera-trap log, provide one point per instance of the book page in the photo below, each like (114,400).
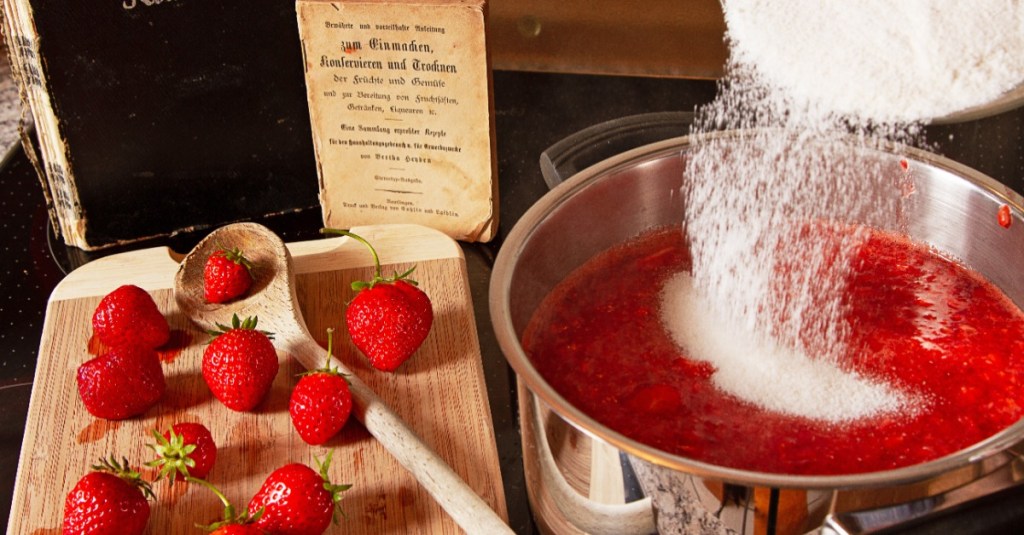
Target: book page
(400,104)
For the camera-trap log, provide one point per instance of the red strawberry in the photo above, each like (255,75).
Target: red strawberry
(128,315)
(321,401)
(240,364)
(111,500)
(226,275)
(296,500)
(388,322)
(389,318)
(121,383)
(186,449)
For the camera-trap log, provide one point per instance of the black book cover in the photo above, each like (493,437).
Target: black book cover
(174,114)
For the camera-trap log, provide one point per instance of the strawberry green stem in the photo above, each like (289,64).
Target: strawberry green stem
(330,347)
(229,510)
(360,239)
(378,276)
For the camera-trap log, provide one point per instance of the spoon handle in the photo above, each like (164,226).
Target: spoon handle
(467,508)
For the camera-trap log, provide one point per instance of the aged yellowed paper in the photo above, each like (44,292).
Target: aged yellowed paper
(401,110)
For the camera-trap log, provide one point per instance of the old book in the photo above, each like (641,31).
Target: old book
(401,108)
(158,116)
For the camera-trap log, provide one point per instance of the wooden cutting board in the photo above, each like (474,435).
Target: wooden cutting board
(440,392)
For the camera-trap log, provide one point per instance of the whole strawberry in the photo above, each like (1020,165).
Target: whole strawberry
(110,500)
(186,449)
(296,500)
(388,322)
(321,402)
(128,315)
(389,318)
(226,275)
(240,364)
(123,382)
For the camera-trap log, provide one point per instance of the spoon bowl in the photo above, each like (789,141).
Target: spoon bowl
(272,299)
(271,291)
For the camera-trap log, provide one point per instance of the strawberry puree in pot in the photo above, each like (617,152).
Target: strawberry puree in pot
(923,326)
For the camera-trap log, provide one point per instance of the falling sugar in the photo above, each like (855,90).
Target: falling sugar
(779,163)
(770,216)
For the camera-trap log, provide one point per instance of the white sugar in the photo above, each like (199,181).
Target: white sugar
(760,371)
(755,207)
(814,85)
(886,60)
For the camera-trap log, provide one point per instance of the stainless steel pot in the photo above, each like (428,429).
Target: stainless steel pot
(954,209)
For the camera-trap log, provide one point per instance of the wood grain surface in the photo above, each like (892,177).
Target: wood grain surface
(440,392)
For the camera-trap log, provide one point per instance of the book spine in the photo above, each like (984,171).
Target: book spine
(55,172)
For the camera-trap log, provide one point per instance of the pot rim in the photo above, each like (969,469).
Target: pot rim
(501,319)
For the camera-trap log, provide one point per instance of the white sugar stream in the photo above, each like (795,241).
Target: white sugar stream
(768,313)
(768,217)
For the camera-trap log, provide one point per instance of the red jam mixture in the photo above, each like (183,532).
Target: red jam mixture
(921,323)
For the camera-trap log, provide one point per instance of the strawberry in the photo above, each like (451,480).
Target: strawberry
(110,500)
(227,274)
(389,318)
(240,364)
(186,449)
(128,315)
(321,401)
(121,383)
(296,500)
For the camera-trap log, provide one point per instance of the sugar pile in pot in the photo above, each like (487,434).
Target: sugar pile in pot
(808,84)
(776,377)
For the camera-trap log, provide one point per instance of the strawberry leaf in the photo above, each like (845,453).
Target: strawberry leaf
(248,323)
(235,255)
(123,471)
(334,489)
(174,456)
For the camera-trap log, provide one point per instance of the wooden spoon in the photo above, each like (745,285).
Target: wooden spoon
(273,299)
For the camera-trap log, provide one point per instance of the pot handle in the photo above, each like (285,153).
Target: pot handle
(991,504)
(633,518)
(601,141)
